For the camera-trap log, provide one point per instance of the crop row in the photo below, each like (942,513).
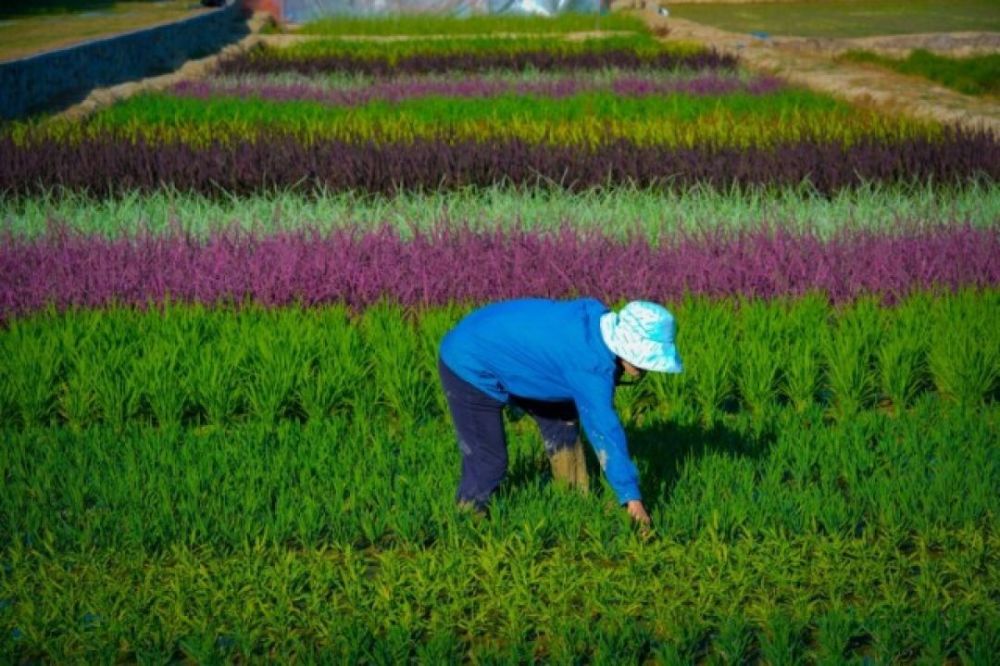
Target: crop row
(107,165)
(177,364)
(513,598)
(394,50)
(618,212)
(398,90)
(455,264)
(358,82)
(588,120)
(428,56)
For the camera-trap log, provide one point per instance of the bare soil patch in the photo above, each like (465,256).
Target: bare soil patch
(810,63)
(953,44)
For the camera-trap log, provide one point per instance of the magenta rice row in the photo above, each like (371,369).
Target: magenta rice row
(456,264)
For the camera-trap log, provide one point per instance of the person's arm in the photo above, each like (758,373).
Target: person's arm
(594,401)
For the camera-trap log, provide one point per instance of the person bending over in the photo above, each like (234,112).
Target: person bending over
(560,362)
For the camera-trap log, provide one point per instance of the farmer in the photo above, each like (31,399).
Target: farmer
(560,362)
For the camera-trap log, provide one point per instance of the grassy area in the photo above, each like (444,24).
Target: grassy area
(64,24)
(845,18)
(978,75)
(13,8)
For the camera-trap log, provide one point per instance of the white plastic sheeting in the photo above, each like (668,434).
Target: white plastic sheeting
(300,11)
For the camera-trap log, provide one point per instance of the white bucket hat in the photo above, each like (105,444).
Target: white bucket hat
(642,333)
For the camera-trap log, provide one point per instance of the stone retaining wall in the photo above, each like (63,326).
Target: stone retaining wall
(57,79)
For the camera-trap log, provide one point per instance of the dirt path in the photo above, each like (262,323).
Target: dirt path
(812,66)
(954,44)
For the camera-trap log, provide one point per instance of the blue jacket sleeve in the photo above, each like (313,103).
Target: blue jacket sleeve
(594,399)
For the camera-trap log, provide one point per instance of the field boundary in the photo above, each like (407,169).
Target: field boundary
(191,70)
(816,69)
(60,77)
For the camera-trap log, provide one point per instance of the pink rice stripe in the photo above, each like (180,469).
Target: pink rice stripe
(457,264)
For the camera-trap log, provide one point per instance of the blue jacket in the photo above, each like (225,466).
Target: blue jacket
(548,350)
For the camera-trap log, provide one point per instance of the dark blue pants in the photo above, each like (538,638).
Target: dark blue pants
(482,441)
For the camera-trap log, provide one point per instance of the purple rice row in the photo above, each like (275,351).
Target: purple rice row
(262,62)
(456,264)
(107,165)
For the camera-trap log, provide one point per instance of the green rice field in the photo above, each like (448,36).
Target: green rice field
(976,75)
(224,434)
(587,119)
(844,18)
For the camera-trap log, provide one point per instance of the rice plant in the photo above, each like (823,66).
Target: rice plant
(761,360)
(965,367)
(276,360)
(712,357)
(31,368)
(803,379)
(847,351)
(902,354)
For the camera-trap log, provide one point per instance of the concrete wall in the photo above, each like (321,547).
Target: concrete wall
(56,79)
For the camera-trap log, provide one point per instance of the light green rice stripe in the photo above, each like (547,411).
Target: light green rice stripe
(617,212)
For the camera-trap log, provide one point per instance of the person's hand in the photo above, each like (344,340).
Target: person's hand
(638,512)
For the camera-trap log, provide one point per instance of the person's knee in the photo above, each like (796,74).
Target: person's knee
(558,435)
